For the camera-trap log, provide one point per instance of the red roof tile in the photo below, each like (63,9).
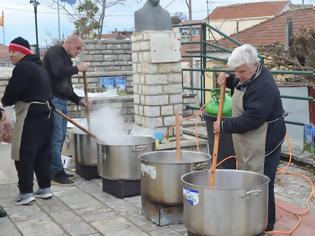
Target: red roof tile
(273,30)
(247,10)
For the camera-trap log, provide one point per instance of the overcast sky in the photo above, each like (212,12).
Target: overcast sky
(19,17)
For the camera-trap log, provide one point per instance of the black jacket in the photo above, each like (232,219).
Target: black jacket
(1,110)
(261,103)
(60,69)
(29,82)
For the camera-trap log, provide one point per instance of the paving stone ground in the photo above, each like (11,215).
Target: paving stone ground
(84,209)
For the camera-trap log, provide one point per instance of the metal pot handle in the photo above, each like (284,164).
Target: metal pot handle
(200,166)
(251,193)
(139,148)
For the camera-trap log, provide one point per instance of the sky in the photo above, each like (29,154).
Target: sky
(19,17)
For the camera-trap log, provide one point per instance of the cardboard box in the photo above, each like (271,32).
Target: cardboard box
(308,137)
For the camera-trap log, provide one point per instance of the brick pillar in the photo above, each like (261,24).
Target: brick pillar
(156,78)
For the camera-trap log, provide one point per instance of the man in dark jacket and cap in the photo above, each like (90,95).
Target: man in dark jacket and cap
(29,91)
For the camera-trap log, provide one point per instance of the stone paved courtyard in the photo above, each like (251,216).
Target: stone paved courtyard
(84,209)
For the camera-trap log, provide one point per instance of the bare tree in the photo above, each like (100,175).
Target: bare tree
(87,15)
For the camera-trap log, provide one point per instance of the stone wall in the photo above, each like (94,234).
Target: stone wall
(107,58)
(157,85)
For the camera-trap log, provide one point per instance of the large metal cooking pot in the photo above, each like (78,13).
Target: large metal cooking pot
(160,174)
(84,148)
(119,160)
(237,205)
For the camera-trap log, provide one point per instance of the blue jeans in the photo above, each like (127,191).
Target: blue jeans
(58,134)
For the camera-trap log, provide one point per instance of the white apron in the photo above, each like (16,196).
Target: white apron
(21,110)
(249,147)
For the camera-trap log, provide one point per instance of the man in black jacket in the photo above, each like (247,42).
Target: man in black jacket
(257,123)
(57,61)
(30,91)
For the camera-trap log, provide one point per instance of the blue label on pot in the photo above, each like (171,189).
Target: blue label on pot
(191,196)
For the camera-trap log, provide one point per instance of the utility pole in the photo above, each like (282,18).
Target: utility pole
(35,4)
(58,11)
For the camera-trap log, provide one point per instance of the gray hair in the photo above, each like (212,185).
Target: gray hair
(243,55)
(74,39)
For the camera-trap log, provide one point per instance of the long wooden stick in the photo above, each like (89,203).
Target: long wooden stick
(85,86)
(216,139)
(178,153)
(74,122)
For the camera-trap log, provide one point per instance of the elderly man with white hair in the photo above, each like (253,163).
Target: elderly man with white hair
(257,123)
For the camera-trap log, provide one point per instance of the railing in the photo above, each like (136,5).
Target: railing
(203,56)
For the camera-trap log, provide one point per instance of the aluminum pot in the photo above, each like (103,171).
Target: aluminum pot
(84,148)
(120,160)
(160,174)
(237,205)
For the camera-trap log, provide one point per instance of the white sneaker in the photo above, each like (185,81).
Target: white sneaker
(25,198)
(44,193)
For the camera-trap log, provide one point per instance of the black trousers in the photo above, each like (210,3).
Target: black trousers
(35,151)
(270,169)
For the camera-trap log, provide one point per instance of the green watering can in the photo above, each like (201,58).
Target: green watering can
(213,105)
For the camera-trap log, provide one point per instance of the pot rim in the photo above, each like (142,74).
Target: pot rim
(150,140)
(174,160)
(223,189)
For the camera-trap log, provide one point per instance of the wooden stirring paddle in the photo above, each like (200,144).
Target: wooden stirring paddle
(178,153)
(216,140)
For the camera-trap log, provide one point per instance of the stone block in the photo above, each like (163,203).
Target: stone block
(134,57)
(149,68)
(150,122)
(139,120)
(155,79)
(135,68)
(167,110)
(169,120)
(152,111)
(113,46)
(98,58)
(145,45)
(136,98)
(175,99)
(135,46)
(142,99)
(172,89)
(151,90)
(124,57)
(111,57)
(179,108)
(136,109)
(141,110)
(174,78)
(169,67)
(146,57)
(136,88)
(142,79)
(156,100)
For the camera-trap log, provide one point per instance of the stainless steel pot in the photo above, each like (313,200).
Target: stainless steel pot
(237,205)
(160,174)
(120,160)
(84,148)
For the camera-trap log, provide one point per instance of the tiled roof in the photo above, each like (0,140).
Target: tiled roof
(247,10)
(273,30)
(188,22)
